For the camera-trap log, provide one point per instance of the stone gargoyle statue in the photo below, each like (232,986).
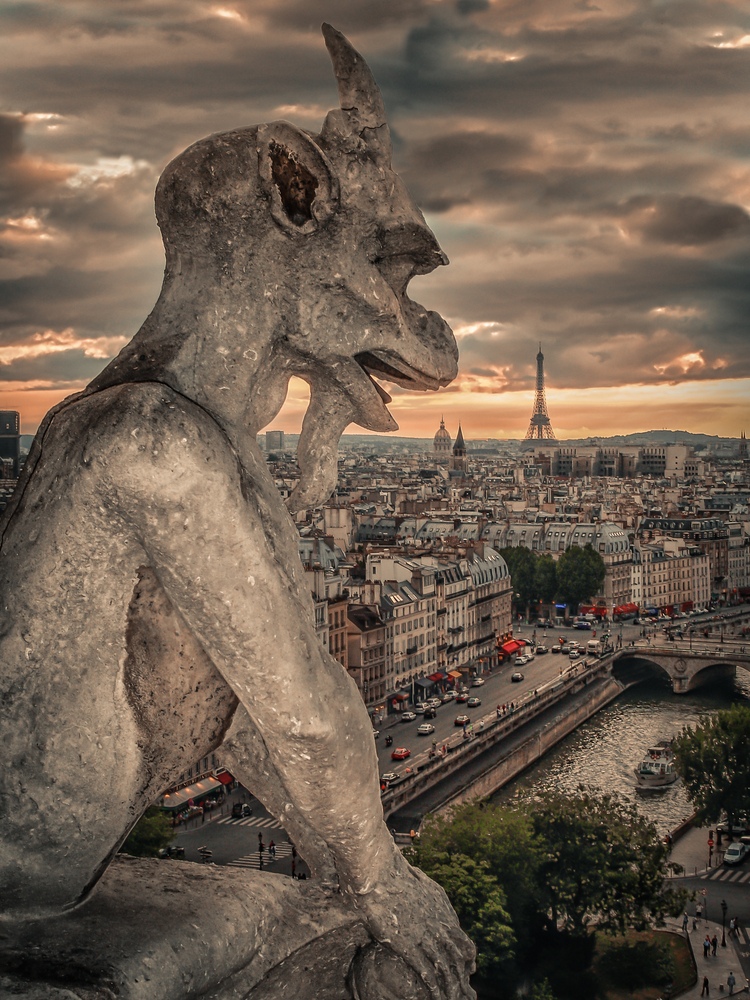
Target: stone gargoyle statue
(153,601)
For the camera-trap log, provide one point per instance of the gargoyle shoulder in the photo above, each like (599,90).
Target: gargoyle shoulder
(148,436)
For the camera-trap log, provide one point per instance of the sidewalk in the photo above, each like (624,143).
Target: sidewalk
(691,850)
(717,969)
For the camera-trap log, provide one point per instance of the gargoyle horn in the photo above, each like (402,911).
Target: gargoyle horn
(359,95)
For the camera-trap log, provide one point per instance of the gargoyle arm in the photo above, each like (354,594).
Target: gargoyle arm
(204,527)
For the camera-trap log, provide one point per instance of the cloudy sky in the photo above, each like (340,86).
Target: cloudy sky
(584,163)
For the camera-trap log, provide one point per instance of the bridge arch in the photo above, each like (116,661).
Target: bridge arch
(633,668)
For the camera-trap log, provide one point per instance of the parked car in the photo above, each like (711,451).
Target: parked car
(541,650)
(735,854)
(522,660)
(461,720)
(408,716)
(433,702)
(517,676)
(425,729)
(473,702)
(447,696)
(241,809)
(400,753)
(477,682)
(462,697)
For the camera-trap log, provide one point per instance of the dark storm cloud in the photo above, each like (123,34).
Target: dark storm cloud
(586,169)
(688,220)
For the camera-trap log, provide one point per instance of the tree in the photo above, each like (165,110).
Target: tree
(521,564)
(580,574)
(151,833)
(605,864)
(499,836)
(479,902)
(712,761)
(545,578)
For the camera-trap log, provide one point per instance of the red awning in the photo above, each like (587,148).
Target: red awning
(225,777)
(513,646)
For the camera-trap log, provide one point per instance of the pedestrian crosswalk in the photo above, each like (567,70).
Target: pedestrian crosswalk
(262,822)
(253,860)
(728,875)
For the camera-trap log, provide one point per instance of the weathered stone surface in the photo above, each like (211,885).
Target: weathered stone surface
(185,931)
(153,603)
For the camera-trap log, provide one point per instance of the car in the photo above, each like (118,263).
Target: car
(461,720)
(433,703)
(419,707)
(447,696)
(400,753)
(430,713)
(555,649)
(240,810)
(473,702)
(541,650)
(461,698)
(477,682)
(389,776)
(173,851)
(522,660)
(516,677)
(565,648)
(408,716)
(530,656)
(425,729)
(735,854)
(574,654)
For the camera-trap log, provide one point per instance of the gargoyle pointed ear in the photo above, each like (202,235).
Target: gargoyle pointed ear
(359,97)
(297,177)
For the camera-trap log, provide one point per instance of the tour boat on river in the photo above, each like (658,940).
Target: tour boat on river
(657,768)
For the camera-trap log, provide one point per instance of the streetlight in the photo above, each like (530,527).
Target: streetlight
(723,922)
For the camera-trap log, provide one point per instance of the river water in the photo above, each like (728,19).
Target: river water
(603,752)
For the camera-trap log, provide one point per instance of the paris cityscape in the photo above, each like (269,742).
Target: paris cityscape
(351,647)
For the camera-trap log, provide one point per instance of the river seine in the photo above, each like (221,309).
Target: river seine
(603,752)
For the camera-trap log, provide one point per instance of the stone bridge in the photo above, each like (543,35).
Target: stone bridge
(687,662)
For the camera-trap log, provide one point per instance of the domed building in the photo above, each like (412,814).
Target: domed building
(442,445)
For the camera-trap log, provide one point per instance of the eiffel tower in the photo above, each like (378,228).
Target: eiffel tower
(540,428)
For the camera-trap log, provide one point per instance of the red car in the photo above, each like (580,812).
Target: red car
(462,720)
(400,753)
(462,697)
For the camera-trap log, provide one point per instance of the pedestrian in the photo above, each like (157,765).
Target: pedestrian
(706,946)
(698,911)
(704,991)
(714,943)
(261,845)
(730,983)
(272,849)
(685,922)
(731,927)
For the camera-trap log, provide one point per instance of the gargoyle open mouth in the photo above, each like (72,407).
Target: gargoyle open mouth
(394,369)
